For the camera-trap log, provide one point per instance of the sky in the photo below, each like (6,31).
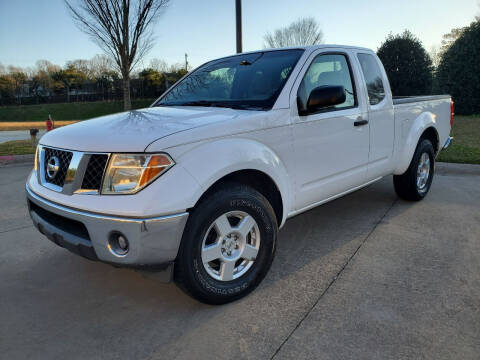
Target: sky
(205,29)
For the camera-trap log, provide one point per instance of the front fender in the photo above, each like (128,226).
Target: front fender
(210,161)
(410,137)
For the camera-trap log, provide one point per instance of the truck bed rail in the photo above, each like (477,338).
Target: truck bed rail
(397,100)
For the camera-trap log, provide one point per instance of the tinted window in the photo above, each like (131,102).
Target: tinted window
(373,78)
(329,69)
(244,81)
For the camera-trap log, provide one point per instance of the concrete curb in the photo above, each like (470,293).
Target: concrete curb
(16,159)
(442,168)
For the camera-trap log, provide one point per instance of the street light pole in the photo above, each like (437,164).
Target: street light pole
(238,11)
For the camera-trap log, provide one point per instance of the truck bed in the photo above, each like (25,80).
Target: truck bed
(408,109)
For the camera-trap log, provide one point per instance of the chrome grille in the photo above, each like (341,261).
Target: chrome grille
(71,172)
(64,158)
(92,180)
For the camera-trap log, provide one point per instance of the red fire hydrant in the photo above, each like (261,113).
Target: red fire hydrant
(49,123)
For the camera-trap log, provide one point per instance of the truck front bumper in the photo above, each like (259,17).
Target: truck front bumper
(152,241)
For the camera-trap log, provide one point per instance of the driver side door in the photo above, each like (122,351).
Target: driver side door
(332,144)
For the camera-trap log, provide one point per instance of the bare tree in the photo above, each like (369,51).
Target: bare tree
(450,38)
(82,66)
(435,55)
(46,66)
(122,28)
(100,64)
(19,77)
(44,82)
(305,31)
(158,65)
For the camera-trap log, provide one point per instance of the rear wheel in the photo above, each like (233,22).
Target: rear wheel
(228,245)
(414,184)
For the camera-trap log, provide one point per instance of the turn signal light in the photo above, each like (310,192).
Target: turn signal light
(452,113)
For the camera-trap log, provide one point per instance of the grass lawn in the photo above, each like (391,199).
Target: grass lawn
(66,111)
(465,147)
(17,147)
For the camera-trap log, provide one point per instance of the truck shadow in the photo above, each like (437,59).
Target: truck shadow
(93,300)
(315,234)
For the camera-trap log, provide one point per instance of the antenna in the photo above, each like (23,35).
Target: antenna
(238,12)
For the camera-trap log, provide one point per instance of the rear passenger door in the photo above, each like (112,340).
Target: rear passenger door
(380,115)
(331,148)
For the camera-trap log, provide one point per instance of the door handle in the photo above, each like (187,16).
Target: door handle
(360,122)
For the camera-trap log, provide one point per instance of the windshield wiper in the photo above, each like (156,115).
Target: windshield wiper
(189,103)
(214,104)
(231,106)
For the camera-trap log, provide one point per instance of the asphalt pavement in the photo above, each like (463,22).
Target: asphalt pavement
(367,276)
(18,135)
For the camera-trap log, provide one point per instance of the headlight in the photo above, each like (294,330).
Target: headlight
(129,173)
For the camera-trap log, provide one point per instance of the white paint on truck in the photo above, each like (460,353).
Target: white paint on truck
(311,157)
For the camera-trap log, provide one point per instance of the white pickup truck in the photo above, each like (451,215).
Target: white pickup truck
(204,178)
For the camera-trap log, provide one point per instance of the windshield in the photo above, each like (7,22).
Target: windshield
(246,81)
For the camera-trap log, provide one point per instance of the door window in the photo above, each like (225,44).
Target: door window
(373,78)
(327,69)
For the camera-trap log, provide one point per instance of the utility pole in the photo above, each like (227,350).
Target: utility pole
(186,62)
(238,11)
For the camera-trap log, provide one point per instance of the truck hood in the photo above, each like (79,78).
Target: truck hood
(133,131)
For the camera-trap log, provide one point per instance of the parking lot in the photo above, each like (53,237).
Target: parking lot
(366,276)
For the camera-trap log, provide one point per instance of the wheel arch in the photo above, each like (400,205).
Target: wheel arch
(256,179)
(431,134)
(424,127)
(243,161)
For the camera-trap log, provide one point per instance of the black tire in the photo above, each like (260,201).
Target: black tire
(190,273)
(406,184)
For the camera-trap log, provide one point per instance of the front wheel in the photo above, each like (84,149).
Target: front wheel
(228,245)
(414,184)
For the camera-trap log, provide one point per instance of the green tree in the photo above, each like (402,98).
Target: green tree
(43,82)
(7,89)
(105,81)
(151,80)
(69,77)
(458,73)
(175,74)
(19,78)
(151,76)
(407,63)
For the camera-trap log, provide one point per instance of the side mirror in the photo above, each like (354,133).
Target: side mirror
(325,96)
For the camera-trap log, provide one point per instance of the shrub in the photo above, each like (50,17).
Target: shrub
(408,65)
(458,73)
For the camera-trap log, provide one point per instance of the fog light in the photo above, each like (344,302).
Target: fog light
(118,244)
(122,242)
